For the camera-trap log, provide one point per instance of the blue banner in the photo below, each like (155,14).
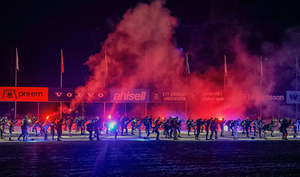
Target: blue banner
(293,97)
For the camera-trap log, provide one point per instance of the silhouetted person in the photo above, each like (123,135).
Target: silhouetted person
(23,128)
(207,127)
(214,128)
(58,126)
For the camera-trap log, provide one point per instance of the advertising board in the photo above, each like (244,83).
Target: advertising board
(24,94)
(134,95)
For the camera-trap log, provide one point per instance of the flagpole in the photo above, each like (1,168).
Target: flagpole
(225,71)
(125,110)
(225,75)
(106,66)
(297,67)
(16,69)
(38,110)
(146,70)
(186,77)
(16,78)
(261,75)
(104,109)
(187,68)
(61,71)
(82,108)
(106,69)
(146,84)
(61,67)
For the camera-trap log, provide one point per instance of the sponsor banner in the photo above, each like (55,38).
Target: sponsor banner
(67,94)
(213,96)
(293,97)
(26,94)
(174,96)
(134,95)
(193,97)
(157,96)
(61,94)
(263,97)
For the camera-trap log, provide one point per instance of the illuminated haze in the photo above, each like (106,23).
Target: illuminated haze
(142,53)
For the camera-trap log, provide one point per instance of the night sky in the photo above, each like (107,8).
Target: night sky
(39,29)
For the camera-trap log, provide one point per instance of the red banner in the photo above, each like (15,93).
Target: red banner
(25,94)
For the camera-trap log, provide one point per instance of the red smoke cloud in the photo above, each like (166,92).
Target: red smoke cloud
(141,53)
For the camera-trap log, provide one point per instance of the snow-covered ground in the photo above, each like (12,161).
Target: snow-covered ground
(131,156)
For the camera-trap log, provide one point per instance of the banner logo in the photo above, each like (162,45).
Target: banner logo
(293,97)
(67,94)
(9,93)
(263,97)
(27,94)
(134,95)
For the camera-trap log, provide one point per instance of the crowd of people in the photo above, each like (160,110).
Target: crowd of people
(171,127)
(30,126)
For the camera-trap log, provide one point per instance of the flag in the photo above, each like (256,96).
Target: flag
(297,66)
(187,64)
(261,68)
(17,59)
(225,66)
(62,61)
